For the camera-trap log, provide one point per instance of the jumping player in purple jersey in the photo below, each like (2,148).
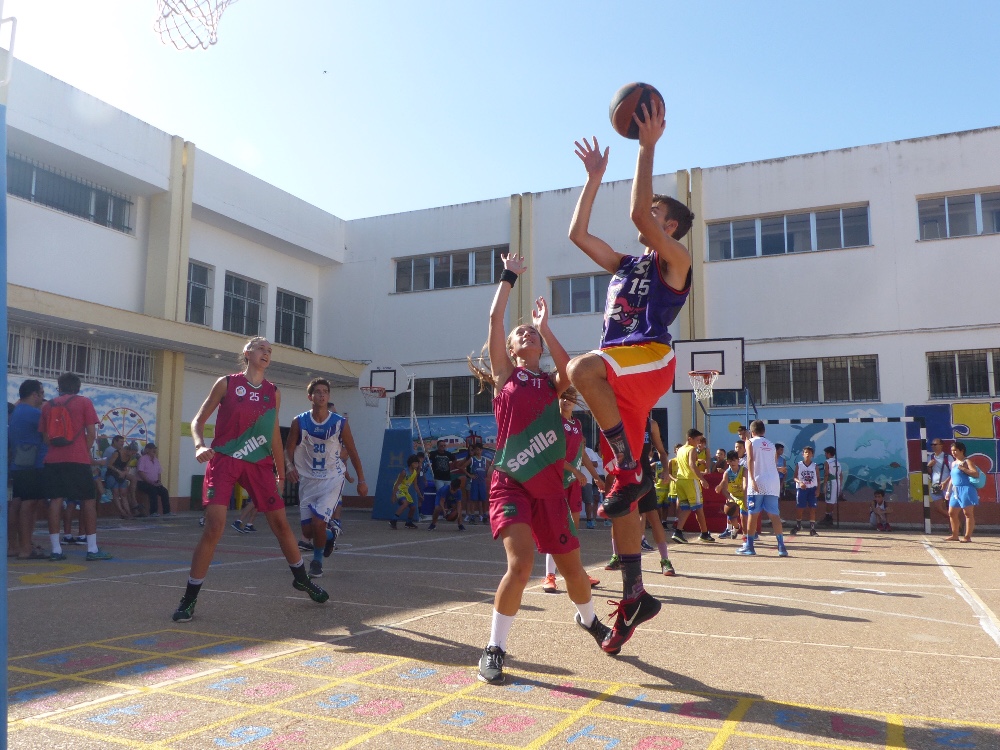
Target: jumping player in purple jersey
(247,441)
(634,367)
(528,507)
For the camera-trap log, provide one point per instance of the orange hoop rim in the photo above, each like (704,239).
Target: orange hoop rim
(373,389)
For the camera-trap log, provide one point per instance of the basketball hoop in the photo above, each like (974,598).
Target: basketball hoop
(189,24)
(372,394)
(702,382)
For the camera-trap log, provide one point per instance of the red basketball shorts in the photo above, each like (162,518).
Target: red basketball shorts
(639,375)
(224,472)
(549,519)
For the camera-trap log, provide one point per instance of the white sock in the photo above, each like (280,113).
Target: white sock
(550,565)
(91,542)
(586,611)
(500,629)
(56,545)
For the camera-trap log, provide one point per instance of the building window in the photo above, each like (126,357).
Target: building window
(243,307)
(829,229)
(806,381)
(48,187)
(973,373)
(291,320)
(199,294)
(443,397)
(447,270)
(580,294)
(41,354)
(959,215)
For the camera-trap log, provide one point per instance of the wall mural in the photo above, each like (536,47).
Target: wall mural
(131,414)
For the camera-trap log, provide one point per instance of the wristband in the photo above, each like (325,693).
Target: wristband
(509,276)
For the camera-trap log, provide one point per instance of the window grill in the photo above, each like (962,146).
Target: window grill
(44,354)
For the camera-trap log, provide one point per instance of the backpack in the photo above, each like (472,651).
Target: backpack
(59,424)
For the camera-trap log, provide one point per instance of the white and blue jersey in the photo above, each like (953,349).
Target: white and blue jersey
(321,470)
(317,456)
(477,487)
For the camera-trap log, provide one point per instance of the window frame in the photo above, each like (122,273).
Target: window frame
(991,194)
(597,301)
(992,374)
(469,269)
(227,303)
(730,242)
(797,390)
(306,317)
(208,287)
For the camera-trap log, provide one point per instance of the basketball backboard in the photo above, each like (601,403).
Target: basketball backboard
(382,377)
(724,355)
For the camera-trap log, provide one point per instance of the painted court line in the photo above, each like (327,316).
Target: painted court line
(987,619)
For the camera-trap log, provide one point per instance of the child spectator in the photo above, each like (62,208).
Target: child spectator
(880,512)
(402,492)
(806,482)
(782,464)
(833,478)
(449,504)
(734,488)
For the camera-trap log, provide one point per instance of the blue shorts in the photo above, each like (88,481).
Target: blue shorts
(963,497)
(477,490)
(766,503)
(805,497)
(112,482)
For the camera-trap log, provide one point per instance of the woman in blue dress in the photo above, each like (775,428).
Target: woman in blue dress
(962,494)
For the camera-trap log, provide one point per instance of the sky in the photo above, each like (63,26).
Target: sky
(368,108)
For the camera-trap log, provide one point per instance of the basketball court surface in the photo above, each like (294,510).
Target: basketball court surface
(858,640)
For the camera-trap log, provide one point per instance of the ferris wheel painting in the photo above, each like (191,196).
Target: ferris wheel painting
(125,422)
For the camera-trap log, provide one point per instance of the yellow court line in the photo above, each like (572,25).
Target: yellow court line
(408,717)
(732,721)
(797,741)
(568,721)
(895,737)
(92,735)
(455,740)
(266,707)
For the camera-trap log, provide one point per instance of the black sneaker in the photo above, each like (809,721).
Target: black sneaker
(305,546)
(678,536)
(392,524)
(622,498)
(315,569)
(812,531)
(646,546)
(630,614)
(317,594)
(706,537)
(238,525)
(491,665)
(410,525)
(598,629)
(330,544)
(185,610)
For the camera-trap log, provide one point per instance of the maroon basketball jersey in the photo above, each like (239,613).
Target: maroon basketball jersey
(241,409)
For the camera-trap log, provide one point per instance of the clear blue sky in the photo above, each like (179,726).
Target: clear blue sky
(428,104)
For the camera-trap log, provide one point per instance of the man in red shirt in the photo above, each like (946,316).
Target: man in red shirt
(67,473)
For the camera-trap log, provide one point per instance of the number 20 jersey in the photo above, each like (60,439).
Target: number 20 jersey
(317,456)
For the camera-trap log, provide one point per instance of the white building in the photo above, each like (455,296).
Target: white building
(143,263)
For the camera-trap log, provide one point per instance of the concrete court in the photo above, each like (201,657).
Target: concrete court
(858,640)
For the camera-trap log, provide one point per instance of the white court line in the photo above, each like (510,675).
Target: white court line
(804,602)
(987,620)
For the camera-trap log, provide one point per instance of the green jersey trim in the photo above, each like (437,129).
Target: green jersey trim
(254,444)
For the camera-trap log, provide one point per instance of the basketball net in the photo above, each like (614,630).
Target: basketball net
(702,382)
(189,24)
(372,394)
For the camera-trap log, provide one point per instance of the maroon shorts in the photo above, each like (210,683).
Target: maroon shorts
(574,496)
(549,519)
(224,472)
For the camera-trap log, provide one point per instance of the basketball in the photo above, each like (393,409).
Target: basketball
(628,100)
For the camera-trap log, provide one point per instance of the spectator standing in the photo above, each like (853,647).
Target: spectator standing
(69,426)
(833,481)
(962,494)
(27,459)
(149,474)
(939,468)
